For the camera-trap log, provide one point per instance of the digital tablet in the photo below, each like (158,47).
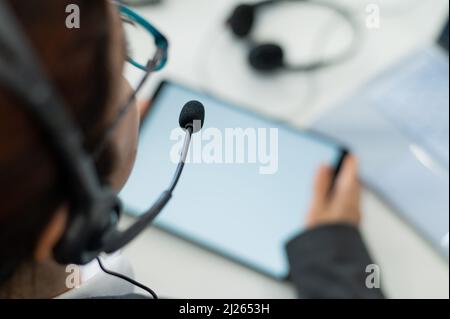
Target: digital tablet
(247,183)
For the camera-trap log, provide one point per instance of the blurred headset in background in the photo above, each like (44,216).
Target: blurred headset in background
(270,56)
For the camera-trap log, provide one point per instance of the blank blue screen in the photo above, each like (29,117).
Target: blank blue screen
(229,208)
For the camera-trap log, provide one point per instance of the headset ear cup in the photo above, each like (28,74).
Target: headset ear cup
(242,20)
(69,248)
(82,239)
(267,57)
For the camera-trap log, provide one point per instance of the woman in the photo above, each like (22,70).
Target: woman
(85,65)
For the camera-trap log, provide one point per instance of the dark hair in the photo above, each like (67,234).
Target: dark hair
(77,63)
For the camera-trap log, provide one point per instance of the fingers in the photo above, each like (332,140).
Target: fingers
(143,107)
(321,188)
(343,204)
(347,194)
(347,183)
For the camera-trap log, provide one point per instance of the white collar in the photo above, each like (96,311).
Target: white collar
(95,283)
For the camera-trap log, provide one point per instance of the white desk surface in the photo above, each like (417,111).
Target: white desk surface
(177,269)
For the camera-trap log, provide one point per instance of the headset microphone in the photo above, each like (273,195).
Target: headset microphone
(191,119)
(192,115)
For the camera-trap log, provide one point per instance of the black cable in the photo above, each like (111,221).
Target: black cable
(123,277)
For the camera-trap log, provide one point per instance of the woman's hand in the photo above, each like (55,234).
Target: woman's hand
(342,203)
(143,107)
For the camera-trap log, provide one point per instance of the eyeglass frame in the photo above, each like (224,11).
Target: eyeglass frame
(155,64)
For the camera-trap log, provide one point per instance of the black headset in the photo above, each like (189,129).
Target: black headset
(95,208)
(269,57)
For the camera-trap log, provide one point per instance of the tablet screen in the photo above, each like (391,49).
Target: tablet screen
(246,186)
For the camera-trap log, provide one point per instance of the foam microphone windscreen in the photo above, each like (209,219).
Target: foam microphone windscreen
(192,115)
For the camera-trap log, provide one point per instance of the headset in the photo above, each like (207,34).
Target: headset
(94,208)
(270,57)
